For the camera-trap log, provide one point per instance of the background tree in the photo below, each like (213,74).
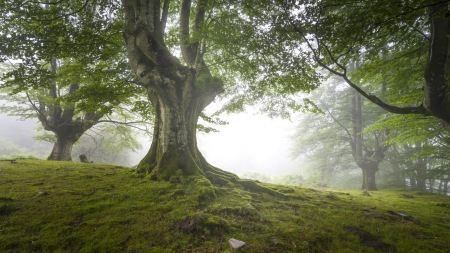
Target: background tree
(69,70)
(336,142)
(419,159)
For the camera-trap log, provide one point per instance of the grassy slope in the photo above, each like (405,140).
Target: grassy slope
(72,207)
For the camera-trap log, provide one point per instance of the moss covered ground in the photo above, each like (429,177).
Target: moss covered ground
(77,207)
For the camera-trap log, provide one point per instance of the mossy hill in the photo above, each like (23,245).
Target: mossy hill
(73,207)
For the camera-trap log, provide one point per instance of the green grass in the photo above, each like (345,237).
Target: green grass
(73,207)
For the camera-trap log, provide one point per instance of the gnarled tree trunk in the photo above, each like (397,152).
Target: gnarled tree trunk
(58,118)
(369,166)
(174,147)
(178,93)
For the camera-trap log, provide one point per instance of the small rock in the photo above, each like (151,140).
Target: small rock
(235,244)
(41,193)
(275,240)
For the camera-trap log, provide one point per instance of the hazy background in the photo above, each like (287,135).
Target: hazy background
(249,143)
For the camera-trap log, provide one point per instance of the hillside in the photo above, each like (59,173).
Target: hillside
(73,207)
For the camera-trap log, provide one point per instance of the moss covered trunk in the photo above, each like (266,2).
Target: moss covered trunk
(178,104)
(178,91)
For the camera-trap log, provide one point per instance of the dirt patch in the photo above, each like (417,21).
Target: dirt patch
(369,240)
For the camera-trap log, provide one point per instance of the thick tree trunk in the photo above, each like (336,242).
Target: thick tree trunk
(177,92)
(174,149)
(62,149)
(369,182)
(436,99)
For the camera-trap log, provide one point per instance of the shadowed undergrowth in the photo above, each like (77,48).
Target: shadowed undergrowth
(72,207)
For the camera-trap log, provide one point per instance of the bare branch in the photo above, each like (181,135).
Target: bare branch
(339,123)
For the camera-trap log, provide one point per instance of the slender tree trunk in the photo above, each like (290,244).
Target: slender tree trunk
(440,184)
(399,177)
(431,182)
(445,191)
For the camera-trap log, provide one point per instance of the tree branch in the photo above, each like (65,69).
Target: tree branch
(164,15)
(374,99)
(339,123)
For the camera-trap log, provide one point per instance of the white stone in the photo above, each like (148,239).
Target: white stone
(235,244)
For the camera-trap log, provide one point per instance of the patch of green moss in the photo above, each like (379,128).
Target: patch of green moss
(205,191)
(256,187)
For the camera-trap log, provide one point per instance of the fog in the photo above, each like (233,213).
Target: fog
(249,143)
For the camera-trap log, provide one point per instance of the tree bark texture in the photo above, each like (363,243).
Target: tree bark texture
(62,149)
